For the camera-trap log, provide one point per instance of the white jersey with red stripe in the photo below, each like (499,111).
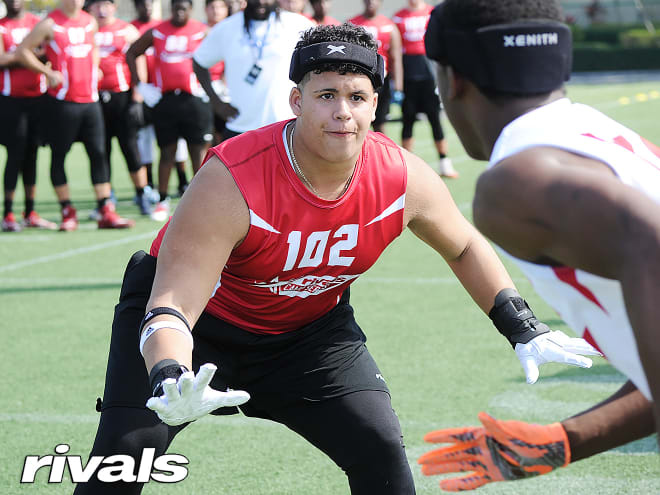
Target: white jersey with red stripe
(302,252)
(111,40)
(592,306)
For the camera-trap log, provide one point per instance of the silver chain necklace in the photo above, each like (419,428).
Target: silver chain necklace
(302,175)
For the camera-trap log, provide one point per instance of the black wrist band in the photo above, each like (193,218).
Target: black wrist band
(514,319)
(163,310)
(167,368)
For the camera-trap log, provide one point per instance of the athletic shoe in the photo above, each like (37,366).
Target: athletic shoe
(150,194)
(9,223)
(69,219)
(446,169)
(110,219)
(144,204)
(33,220)
(161,211)
(95,215)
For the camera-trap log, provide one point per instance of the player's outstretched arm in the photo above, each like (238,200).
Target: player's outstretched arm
(432,215)
(572,211)
(210,220)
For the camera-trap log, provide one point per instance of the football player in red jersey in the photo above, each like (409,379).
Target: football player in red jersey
(21,99)
(73,112)
(180,112)
(275,226)
(121,103)
(388,38)
(419,86)
(574,197)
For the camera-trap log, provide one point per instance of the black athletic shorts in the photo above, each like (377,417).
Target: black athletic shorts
(325,359)
(180,114)
(421,96)
(20,117)
(66,122)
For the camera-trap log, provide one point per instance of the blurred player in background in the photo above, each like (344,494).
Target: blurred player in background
(320,11)
(573,197)
(256,47)
(419,85)
(180,111)
(21,101)
(387,35)
(122,105)
(72,111)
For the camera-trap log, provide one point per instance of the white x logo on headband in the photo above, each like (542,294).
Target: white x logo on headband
(335,49)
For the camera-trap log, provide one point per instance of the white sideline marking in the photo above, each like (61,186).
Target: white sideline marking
(73,252)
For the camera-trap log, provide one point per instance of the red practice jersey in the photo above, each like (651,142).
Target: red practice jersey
(142,27)
(302,252)
(112,44)
(412,25)
(19,81)
(380,28)
(71,51)
(174,47)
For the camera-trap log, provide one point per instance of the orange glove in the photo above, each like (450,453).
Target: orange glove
(498,451)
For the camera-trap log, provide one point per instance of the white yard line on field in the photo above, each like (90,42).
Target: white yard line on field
(73,252)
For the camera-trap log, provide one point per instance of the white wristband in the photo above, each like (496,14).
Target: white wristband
(152,328)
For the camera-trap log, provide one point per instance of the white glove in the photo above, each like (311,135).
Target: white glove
(555,347)
(190,397)
(150,93)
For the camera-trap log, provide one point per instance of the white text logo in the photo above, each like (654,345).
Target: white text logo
(168,468)
(534,39)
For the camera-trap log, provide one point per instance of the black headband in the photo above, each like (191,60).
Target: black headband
(523,57)
(312,57)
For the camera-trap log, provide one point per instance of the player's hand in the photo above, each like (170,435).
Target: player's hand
(498,451)
(397,97)
(54,78)
(135,114)
(150,93)
(224,110)
(553,347)
(190,397)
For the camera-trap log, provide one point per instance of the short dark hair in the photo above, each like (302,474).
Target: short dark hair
(345,33)
(481,13)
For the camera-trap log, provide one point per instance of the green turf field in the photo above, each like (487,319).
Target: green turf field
(442,358)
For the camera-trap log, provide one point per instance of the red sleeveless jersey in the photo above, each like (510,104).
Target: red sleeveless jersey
(112,44)
(19,81)
(143,27)
(412,25)
(302,252)
(71,52)
(380,28)
(174,47)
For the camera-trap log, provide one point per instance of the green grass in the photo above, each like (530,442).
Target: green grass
(440,355)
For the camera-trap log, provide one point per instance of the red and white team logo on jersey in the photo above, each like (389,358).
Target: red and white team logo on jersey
(71,53)
(174,47)
(112,44)
(412,25)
